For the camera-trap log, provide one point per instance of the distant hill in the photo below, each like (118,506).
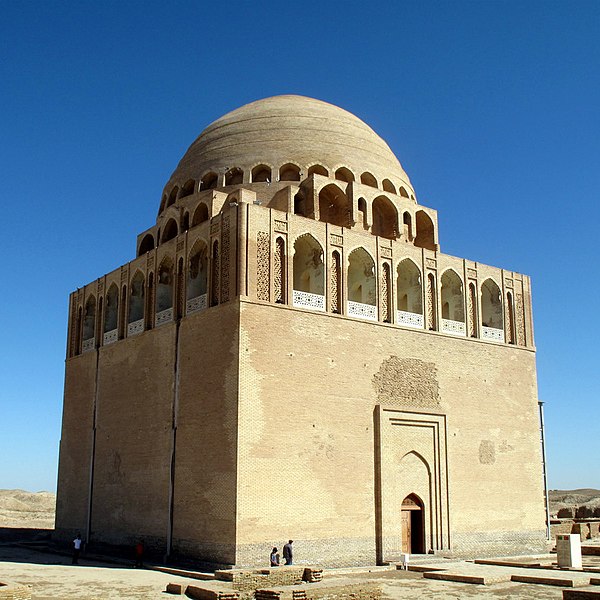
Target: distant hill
(19,508)
(572,498)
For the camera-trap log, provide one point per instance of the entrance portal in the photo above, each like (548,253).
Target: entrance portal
(413,532)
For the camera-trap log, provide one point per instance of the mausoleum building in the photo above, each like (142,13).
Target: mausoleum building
(291,356)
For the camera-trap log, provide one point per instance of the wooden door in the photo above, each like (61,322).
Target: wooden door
(406,533)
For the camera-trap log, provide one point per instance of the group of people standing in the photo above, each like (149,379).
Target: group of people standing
(287,554)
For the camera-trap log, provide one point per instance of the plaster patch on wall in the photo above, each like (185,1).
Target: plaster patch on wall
(407,382)
(487,452)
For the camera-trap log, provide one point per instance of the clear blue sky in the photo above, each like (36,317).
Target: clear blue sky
(491,107)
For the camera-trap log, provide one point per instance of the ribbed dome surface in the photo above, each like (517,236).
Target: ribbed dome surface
(285,129)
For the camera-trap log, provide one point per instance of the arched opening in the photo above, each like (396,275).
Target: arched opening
(409,295)
(146,244)
(385,218)
(362,213)
(111,313)
(89,323)
(388,186)
(170,231)
(407,226)
(261,173)
(492,320)
(172,196)
(200,214)
(413,525)
(164,291)
(453,308)
(309,273)
(333,206)
(188,188)
(425,235)
(318,170)
(362,285)
(289,172)
(368,179)
(209,181)
(402,191)
(279,272)
(185,222)
(336,282)
(234,176)
(344,174)
(197,281)
(136,302)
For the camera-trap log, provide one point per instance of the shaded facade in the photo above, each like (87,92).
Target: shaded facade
(291,355)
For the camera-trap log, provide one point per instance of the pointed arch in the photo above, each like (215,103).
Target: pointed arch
(309,273)
(333,206)
(344,174)
(89,320)
(234,176)
(197,276)
(187,189)
(368,179)
(289,172)
(407,226)
(170,231)
(362,284)
(261,174)
(409,294)
(362,213)
(492,318)
(136,298)
(452,300)
(200,214)
(147,244)
(164,285)
(425,231)
(388,186)
(318,170)
(209,181)
(385,218)
(402,191)
(111,312)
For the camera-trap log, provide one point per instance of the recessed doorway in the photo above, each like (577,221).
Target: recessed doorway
(413,531)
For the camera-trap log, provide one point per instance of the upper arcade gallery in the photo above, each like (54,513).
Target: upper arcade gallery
(295,201)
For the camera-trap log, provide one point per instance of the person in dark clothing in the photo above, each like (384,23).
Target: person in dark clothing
(274,557)
(76,548)
(288,552)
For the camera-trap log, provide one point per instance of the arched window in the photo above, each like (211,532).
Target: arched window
(146,244)
(279,278)
(385,218)
(197,282)
(362,213)
(333,206)
(200,214)
(136,304)
(368,179)
(318,170)
(172,196)
(425,235)
(209,181)
(402,191)
(187,188)
(453,308)
(289,172)
(111,314)
(362,284)
(234,176)
(409,295)
(309,273)
(89,323)
(336,282)
(164,292)
(407,226)
(214,279)
(388,186)
(344,174)
(431,303)
(492,320)
(261,173)
(170,231)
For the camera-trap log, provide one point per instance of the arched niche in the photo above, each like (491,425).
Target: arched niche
(170,230)
(362,283)
(402,191)
(318,170)
(136,298)
(197,283)
(385,218)
(261,174)
(344,174)
(89,319)
(111,312)
(362,214)
(187,189)
(409,294)
(209,181)
(368,179)
(200,214)
(452,299)
(309,273)
(333,206)
(289,172)
(146,244)
(172,196)
(164,286)
(407,226)
(388,186)
(425,233)
(491,308)
(234,176)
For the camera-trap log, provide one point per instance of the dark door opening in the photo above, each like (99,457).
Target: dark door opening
(413,530)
